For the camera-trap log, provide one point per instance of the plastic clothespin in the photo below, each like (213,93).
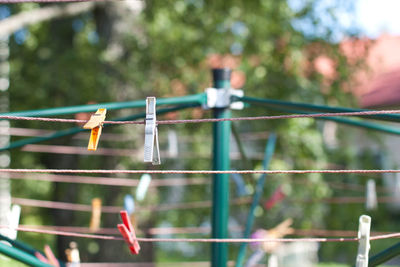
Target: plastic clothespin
(241,189)
(371,202)
(151,147)
(276,197)
(173,148)
(96,215)
(13,221)
(72,254)
(129,204)
(41,257)
(143,186)
(128,232)
(49,258)
(95,123)
(364,229)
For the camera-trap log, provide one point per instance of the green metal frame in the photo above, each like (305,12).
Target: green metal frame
(357,123)
(312,107)
(21,256)
(384,255)
(221,161)
(22,252)
(190,99)
(19,245)
(19,250)
(269,152)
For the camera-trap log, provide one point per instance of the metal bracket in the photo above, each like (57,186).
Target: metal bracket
(222,98)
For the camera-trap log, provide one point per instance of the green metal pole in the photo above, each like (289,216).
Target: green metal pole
(269,151)
(191,99)
(313,107)
(21,256)
(76,130)
(221,143)
(384,255)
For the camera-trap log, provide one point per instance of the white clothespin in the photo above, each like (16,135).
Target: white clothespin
(364,229)
(151,148)
(172,144)
(143,185)
(13,221)
(371,201)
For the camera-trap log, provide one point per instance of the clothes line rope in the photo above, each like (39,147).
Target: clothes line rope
(117,209)
(160,122)
(202,240)
(181,206)
(128,182)
(196,171)
(167,182)
(197,230)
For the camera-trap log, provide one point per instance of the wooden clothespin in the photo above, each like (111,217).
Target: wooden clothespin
(96,215)
(95,123)
(364,229)
(49,258)
(151,147)
(128,233)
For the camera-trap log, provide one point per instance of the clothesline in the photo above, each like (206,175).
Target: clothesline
(197,230)
(197,171)
(201,240)
(182,206)
(160,122)
(170,181)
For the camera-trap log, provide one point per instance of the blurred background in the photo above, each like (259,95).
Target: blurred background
(338,53)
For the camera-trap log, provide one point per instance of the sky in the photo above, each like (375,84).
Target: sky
(369,18)
(378,16)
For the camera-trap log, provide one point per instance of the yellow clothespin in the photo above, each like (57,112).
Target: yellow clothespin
(96,215)
(95,123)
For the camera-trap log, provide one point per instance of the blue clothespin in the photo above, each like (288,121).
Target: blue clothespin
(144,183)
(129,204)
(241,189)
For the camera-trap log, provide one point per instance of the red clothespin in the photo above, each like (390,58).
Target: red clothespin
(128,232)
(276,197)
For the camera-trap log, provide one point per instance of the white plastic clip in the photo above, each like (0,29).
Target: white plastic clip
(13,221)
(221,98)
(371,202)
(151,147)
(364,229)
